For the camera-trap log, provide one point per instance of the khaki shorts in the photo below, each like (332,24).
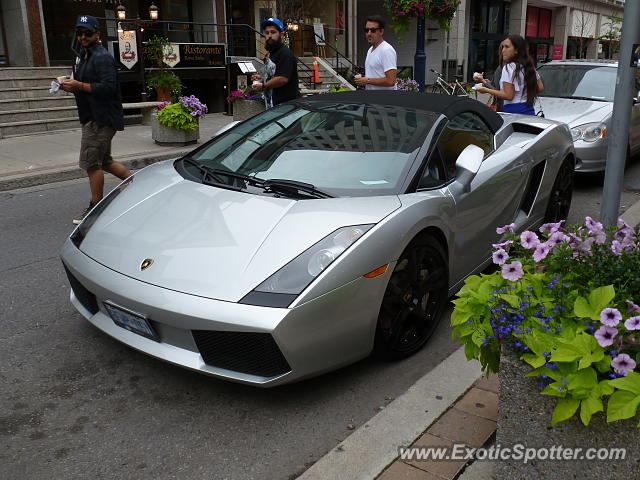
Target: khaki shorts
(95,147)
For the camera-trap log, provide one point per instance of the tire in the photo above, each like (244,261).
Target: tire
(561,193)
(414,300)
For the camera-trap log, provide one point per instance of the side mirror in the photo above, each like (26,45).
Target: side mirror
(467,165)
(636,100)
(228,126)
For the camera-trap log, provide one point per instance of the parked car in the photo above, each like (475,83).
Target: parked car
(314,233)
(580,93)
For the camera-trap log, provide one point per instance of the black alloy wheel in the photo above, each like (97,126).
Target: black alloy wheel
(561,193)
(414,300)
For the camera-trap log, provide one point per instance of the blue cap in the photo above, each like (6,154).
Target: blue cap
(87,21)
(272,21)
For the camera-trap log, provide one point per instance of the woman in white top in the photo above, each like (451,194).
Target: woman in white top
(520,84)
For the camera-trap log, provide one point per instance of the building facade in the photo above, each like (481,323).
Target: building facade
(555,29)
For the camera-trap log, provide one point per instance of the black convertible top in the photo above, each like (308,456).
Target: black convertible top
(448,105)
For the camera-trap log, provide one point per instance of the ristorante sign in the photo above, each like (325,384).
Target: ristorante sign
(192,55)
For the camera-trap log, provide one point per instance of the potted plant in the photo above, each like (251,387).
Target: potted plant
(165,83)
(245,104)
(178,123)
(402,11)
(562,311)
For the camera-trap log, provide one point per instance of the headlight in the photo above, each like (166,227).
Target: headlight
(589,132)
(81,230)
(281,288)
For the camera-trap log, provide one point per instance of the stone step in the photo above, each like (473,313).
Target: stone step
(52,113)
(28,92)
(23,72)
(37,126)
(22,82)
(37,103)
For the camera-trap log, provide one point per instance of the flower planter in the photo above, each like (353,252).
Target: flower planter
(168,136)
(244,109)
(163,94)
(525,418)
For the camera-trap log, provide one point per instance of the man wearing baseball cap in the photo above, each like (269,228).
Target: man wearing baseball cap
(97,93)
(281,72)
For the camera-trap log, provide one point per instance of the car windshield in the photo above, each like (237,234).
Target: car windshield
(586,82)
(341,149)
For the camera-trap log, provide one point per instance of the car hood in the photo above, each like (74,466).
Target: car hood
(213,242)
(575,112)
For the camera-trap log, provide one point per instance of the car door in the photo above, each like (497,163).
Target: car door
(494,196)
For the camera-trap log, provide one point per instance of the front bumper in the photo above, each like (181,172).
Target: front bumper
(323,334)
(591,157)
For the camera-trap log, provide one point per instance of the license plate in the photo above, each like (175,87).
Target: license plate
(132,321)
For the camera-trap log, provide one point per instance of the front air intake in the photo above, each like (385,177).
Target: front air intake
(245,352)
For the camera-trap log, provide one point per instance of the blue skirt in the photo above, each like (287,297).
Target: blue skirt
(521,108)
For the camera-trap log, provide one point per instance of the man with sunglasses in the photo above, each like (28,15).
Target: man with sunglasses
(380,66)
(97,93)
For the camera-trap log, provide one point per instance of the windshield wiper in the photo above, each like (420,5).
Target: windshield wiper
(208,172)
(283,185)
(574,97)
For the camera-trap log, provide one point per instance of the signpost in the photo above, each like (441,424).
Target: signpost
(623,102)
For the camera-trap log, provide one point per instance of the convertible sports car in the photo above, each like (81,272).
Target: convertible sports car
(315,233)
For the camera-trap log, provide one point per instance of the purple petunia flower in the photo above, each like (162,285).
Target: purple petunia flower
(616,247)
(541,252)
(622,225)
(529,239)
(551,227)
(623,363)
(504,244)
(505,229)
(610,317)
(632,307)
(605,335)
(500,256)
(557,238)
(600,237)
(512,271)
(592,225)
(632,323)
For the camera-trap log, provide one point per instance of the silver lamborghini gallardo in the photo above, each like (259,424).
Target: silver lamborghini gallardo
(315,233)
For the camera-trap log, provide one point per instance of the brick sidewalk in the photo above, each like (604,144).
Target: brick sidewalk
(471,421)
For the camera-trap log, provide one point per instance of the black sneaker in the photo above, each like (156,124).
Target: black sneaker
(77,220)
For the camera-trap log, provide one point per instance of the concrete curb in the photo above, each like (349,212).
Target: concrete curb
(632,215)
(368,450)
(132,162)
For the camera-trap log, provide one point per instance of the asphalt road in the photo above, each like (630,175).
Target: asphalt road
(76,404)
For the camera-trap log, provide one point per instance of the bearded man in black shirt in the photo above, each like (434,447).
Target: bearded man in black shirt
(97,93)
(281,72)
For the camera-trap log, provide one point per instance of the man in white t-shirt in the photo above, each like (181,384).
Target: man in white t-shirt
(380,67)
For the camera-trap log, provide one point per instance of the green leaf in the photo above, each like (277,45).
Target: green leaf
(535,361)
(583,347)
(604,364)
(477,337)
(565,409)
(588,407)
(597,301)
(629,383)
(471,351)
(622,405)
(582,383)
(459,316)
(552,390)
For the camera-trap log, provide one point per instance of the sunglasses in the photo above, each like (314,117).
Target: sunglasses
(372,30)
(84,33)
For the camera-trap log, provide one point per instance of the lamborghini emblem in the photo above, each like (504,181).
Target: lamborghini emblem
(146,263)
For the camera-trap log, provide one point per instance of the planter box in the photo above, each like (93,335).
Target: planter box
(524,417)
(244,109)
(168,136)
